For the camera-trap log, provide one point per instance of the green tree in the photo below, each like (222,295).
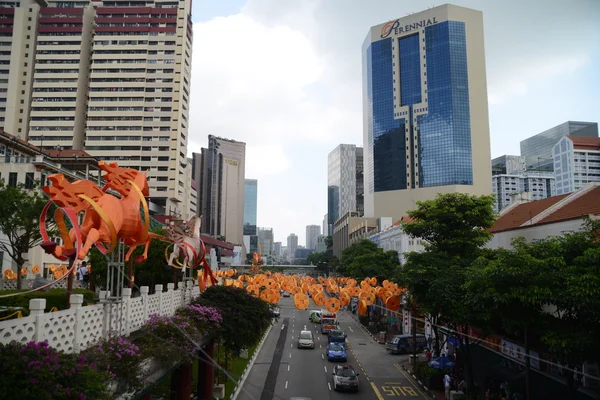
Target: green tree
(19,221)
(364,259)
(573,301)
(151,272)
(245,317)
(454,228)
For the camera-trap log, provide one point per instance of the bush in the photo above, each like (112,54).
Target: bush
(54,298)
(244,316)
(121,360)
(37,371)
(170,339)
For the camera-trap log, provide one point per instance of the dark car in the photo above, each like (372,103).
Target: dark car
(337,336)
(344,378)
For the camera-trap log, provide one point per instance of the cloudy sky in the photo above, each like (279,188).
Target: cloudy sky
(284,76)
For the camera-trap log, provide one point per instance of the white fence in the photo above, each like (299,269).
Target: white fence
(27,284)
(78,327)
(240,382)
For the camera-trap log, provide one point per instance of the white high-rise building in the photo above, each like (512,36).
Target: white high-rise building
(344,182)
(108,77)
(576,162)
(292,245)
(538,184)
(312,231)
(425,110)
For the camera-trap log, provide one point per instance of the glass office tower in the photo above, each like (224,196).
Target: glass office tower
(250,206)
(425,114)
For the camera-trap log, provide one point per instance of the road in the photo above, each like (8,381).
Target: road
(282,371)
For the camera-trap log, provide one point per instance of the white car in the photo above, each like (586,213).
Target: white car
(306,340)
(344,378)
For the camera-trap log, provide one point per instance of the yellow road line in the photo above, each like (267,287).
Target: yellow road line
(410,380)
(379,396)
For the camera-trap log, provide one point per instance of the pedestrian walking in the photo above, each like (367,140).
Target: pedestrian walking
(83,275)
(447,382)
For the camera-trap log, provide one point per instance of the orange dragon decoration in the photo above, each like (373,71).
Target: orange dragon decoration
(107,218)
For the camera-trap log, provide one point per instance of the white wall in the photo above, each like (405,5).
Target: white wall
(503,239)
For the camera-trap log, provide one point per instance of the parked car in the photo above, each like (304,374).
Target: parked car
(403,344)
(344,377)
(314,316)
(286,294)
(336,352)
(337,336)
(306,340)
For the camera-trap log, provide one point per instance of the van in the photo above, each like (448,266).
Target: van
(403,344)
(315,316)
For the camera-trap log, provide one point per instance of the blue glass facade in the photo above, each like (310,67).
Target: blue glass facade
(250,206)
(445,131)
(387,134)
(435,89)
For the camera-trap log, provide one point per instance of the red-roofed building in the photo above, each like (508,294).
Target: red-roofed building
(553,216)
(576,162)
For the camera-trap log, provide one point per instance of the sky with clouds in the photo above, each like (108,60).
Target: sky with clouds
(284,76)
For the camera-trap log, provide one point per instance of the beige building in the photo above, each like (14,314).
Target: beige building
(425,110)
(109,79)
(219,171)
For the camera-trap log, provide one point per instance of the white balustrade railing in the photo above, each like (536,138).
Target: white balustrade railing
(11,284)
(78,327)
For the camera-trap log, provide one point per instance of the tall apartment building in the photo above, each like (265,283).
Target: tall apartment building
(109,77)
(538,184)
(425,110)
(292,245)
(576,162)
(221,170)
(312,231)
(344,182)
(277,249)
(538,149)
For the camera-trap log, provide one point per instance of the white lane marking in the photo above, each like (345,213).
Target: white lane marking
(282,326)
(286,382)
(320,346)
(351,330)
(291,345)
(325,368)
(304,327)
(292,337)
(319,337)
(329,384)
(290,355)
(322,356)
(288,367)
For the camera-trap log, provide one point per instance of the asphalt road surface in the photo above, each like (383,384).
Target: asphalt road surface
(282,371)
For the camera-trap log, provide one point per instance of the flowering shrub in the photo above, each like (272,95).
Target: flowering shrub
(206,319)
(121,360)
(37,371)
(171,338)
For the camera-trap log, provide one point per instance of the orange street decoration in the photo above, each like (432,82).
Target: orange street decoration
(23,271)
(257,261)
(254,290)
(367,297)
(106,218)
(319,299)
(362,307)
(270,296)
(301,301)
(9,274)
(35,269)
(344,299)
(393,303)
(332,304)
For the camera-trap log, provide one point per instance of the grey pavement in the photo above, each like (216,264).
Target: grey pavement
(307,373)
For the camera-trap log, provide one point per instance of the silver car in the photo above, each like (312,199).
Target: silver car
(344,378)
(306,340)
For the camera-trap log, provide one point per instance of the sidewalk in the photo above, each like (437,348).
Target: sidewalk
(438,395)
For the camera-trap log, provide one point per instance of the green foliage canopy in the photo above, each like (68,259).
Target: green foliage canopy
(245,317)
(364,259)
